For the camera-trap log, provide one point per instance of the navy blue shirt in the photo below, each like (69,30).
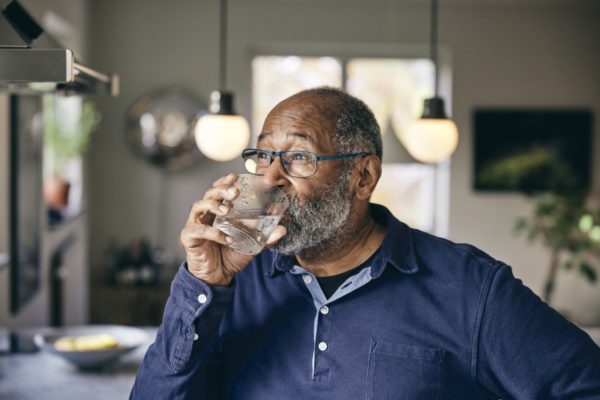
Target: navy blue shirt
(427,319)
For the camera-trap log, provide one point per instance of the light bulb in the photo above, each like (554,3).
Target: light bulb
(222,137)
(431,140)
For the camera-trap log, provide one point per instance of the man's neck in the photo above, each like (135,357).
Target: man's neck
(347,250)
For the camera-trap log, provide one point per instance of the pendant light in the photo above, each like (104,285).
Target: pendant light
(222,134)
(434,136)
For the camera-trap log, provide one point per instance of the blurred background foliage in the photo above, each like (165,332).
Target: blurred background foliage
(570,229)
(563,217)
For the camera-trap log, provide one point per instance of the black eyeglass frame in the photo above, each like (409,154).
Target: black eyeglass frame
(247,153)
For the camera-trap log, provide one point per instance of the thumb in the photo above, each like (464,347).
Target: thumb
(276,235)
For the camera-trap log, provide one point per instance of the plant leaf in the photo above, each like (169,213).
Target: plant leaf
(588,271)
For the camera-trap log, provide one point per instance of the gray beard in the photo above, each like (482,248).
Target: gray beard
(315,223)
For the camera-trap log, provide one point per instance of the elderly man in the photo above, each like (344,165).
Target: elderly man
(349,302)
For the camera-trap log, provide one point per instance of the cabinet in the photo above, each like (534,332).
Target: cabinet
(46,283)
(131,283)
(128,305)
(67,277)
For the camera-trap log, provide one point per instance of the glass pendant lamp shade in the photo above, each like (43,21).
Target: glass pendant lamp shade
(222,135)
(434,136)
(431,140)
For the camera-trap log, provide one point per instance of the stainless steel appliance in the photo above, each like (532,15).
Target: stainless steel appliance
(31,61)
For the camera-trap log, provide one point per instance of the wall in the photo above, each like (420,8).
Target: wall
(505,53)
(521,56)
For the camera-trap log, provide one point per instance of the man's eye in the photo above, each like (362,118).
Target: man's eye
(305,157)
(262,155)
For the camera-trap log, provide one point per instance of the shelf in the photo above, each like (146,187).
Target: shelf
(128,305)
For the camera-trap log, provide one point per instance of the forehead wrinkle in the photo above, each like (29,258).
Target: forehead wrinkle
(313,117)
(263,135)
(303,136)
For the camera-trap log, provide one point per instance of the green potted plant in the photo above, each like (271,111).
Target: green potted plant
(570,229)
(68,124)
(562,219)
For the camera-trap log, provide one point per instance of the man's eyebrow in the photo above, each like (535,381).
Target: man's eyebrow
(300,135)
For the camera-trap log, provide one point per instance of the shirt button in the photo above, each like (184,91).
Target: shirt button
(324,310)
(202,298)
(322,346)
(307,279)
(196,337)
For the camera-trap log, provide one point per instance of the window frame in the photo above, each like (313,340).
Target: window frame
(344,52)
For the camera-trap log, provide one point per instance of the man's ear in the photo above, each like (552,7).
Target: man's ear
(368,172)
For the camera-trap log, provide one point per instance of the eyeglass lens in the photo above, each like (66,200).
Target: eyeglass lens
(295,163)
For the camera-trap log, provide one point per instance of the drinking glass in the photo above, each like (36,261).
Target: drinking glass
(253,215)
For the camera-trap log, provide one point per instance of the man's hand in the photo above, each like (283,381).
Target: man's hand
(208,257)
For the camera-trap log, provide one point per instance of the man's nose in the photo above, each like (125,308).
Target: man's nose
(275,174)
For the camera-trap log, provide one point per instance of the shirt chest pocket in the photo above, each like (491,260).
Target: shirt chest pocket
(398,371)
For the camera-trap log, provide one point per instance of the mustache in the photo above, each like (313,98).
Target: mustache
(314,218)
(292,210)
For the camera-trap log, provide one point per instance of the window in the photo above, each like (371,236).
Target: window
(274,78)
(394,88)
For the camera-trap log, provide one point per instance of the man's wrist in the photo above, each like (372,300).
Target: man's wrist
(189,287)
(222,281)
(219,283)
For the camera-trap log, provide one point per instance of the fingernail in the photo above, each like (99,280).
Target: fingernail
(223,209)
(231,190)
(228,239)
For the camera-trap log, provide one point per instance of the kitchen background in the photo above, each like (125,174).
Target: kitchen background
(495,53)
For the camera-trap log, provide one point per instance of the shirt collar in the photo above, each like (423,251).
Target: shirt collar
(397,248)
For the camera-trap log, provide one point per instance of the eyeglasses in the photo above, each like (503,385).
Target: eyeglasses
(295,163)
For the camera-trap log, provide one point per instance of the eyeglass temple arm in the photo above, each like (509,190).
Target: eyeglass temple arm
(341,156)
(333,157)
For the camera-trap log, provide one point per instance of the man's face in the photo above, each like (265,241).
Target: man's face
(320,204)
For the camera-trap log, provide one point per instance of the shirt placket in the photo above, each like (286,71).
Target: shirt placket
(323,347)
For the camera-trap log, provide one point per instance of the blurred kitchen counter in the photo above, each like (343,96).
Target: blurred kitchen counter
(45,376)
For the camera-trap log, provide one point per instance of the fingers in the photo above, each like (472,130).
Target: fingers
(223,192)
(195,235)
(276,235)
(204,211)
(215,202)
(227,180)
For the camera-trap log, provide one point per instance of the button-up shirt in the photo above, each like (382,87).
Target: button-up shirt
(427,319)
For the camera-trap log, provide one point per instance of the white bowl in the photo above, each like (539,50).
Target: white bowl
(127,337)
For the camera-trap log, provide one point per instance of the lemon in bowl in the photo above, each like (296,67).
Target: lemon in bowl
(94,342)
(91,346)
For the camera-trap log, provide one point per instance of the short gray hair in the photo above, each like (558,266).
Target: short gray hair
(356,129)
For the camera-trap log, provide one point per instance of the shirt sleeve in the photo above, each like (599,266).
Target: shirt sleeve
(184,361)
(527,350)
